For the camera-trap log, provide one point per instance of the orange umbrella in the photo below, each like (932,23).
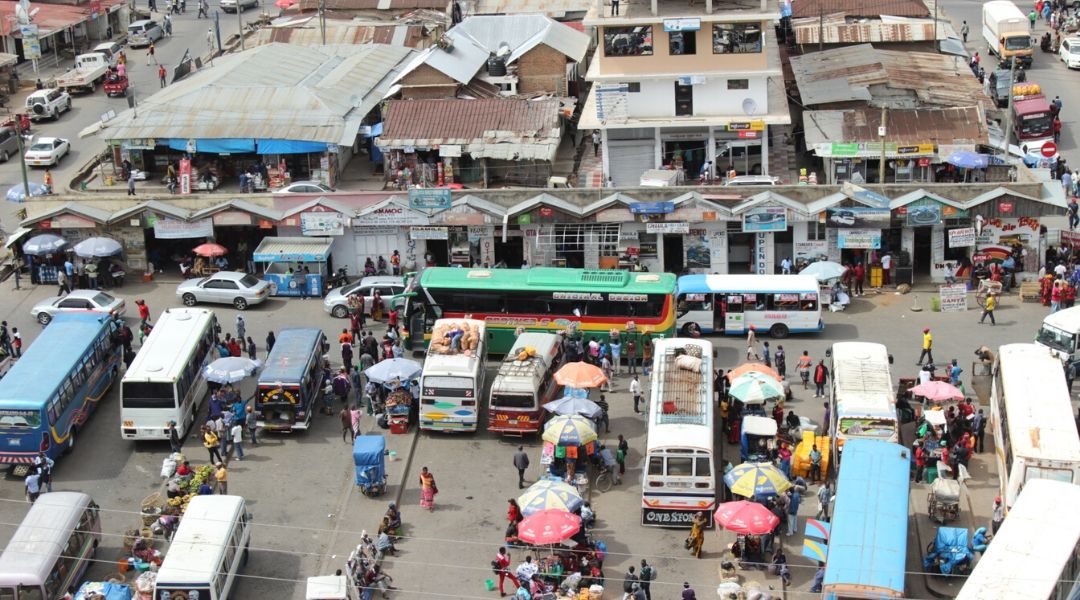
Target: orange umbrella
(752,366)
(210,249)
(580,375)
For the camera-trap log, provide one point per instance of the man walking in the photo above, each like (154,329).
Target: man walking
(222,477)
(346,424)
(251,421)
(174,438)
(646,575)
(751,344)
(978,423)
(521,462)
(825,498)
(927,347)
(964,30)
(162,75)
(793,501)
(621,453)
(62,283)
(236,433)
(821,376)
(131,184)
(988,310)
(33,487)
(635,390)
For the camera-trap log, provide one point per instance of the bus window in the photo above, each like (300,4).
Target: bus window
(755,301)
(785,302)
(33,592)
(694,302)
(656,466)
(734,303)
(678,466)
(702,467)
(809,302)
(7,593)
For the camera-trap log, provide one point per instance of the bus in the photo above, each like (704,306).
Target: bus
(1032,419)
(165,381)
(1023,561)
(525,383)
(452,381)
(1060,332)
(207,550)
(731,304)
(52,547)
(862,401)
(54,388)
(680,474)
(868,534)
(291,381)
(545,299)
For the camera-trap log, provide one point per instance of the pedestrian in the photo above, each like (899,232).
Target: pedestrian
(615,347)
(303,275)
(614,8)
(340,385)
(17,264)
(793,500)
(821,376)
(153,7)
(62,283)
(596,139)
(222,478)
(860,277)
(688,592)
(252,349)
(765,356)
(805,363)
(43,465)
(751,344)
(998,515)
(631,356)
(630,581)
(202,10)
(251,421)
(979,425)
(815,464)
(236,433)
(428,489)
(988,309)
(168,25)
(175,444)
(16,342)
(622,451)
(270,340)
(150,54)
(5,339)
(635,391)
(33,486)
(780,361)
(605,367)
(646,575)
(501,565)
(825,498)
(346,425)
(521,462)
(964,31)
(927,347)
(211,442)
(210,39)
(241,328)
(603,418)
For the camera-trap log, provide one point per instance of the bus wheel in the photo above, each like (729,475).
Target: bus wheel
(691,330)
(70,442)
(778,331)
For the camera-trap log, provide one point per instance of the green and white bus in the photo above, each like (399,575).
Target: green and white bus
(544,299)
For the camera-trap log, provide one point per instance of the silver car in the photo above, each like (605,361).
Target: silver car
(337,301)
(78,301)
(226,287)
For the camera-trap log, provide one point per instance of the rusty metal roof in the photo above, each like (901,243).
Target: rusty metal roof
(838,29)
(894,78)
(366,5)
(410,36)
(859,8)
(945,126)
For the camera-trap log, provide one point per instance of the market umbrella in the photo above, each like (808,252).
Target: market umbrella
(756,479)
(210,249)
(231,369)
(97,247)
(283,4)
(548,494)
(549,526)
(749,367)
(749,518)
(573,405)
(968,160)
(395,369)
(580,375)
(938,391)
(46,243)
(17,193)
(569,430)
(755,388)
(824,270)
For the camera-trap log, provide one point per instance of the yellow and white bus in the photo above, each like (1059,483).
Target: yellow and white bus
(862,401)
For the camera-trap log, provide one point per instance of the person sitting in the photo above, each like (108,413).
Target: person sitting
(393,516)
(172,490)
(185,267)
(384,545)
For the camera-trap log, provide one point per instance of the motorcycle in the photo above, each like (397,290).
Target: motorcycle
(339,279)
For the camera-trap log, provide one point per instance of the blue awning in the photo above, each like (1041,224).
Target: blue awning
(290,147)
(215,146)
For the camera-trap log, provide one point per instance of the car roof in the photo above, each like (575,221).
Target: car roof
(231,275)
(45,140)
(82,294)
(382,280)
(142,22)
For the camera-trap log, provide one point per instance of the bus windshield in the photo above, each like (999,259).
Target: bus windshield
(20,419)
(512,401)
(148,394)
(1055,338)
(442,381)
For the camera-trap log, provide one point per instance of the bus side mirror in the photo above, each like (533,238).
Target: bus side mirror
(828,353)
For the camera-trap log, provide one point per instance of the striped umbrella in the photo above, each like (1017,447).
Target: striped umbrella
(569,430)
(756,479)
(549,494)
(755,388)
(751,367)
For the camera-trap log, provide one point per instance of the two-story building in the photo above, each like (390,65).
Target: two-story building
(678,84)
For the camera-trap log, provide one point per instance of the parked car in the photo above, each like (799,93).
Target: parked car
(111,50)
(304,187)
(78,301)
(48,104)
(230,5)
(337,301)
(1069,52)
(47,152)
(141,33)
(225,287)
(9,143)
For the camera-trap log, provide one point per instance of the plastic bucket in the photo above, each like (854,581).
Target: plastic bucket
(489,584)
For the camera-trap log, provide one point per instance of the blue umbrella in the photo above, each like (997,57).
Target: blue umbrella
(395,369)
(231,369)
(968,160)
(17,193)
(46,243)
(572,405)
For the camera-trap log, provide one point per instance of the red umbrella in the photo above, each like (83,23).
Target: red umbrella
(938,391)
(210,249)
(285,3)
(549,526)
(746,517)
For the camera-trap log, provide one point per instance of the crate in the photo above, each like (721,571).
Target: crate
(399,427)
(1030,291)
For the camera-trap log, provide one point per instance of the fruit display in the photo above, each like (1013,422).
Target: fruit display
(190,487)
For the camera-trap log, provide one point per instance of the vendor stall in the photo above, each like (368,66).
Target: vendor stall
(291,262)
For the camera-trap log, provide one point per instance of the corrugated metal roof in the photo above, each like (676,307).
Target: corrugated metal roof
(553,8)
(411,36)
(355,5)
(836,29)
(489,127)
(964,125)
(859,8)
(276,91)
(294,245)
(522,33)
(48,17)
(901,79)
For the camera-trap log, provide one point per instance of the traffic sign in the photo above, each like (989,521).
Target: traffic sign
(1049,149)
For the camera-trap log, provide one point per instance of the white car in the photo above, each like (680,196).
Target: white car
(337,300)
(48,104)
(1069,52)
(225,287)
(230,5)
(47,152)
(304,187)
(78,301)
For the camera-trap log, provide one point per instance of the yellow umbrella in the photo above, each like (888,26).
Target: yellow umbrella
(569,430)
(756,479)
(546,494)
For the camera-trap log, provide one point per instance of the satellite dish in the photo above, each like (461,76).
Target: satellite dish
(749,106)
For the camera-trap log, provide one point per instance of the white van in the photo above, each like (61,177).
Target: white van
(207,550)
(111,50)
(1069,52)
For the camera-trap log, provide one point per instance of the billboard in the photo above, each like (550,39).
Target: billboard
(765,219)
(857,217)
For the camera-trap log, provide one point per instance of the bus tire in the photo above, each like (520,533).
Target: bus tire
(70,441)
(779,331)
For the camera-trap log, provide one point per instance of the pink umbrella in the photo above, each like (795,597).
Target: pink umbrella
(283,4)
(746,517)
(938,391)
(549,526)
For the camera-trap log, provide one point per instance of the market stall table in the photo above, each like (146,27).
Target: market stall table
(284,258)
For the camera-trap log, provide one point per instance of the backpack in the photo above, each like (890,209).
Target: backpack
(648,573)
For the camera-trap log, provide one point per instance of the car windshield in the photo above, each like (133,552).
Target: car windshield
(41,147)
(1074,49)
(1055,338)
(250,281)
(103,299)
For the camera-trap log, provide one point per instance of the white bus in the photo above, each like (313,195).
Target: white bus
(452,381)
(680,474)
(730,304)
(1032,420)
(525,384)
(1060,332)
(862,401)
(165,382)
(1026,560)
(207,551)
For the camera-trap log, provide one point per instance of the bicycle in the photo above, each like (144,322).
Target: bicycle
(605,479)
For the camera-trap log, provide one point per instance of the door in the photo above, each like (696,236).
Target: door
(372,246)
(674,260)
(684,100)
(719,305)
(629,159)
(733,317)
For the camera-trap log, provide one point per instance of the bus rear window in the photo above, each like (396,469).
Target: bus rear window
(147,394)
(7,593)
(882,428)
(20,419)
(512,401)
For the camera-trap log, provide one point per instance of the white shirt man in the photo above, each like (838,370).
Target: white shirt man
(886,262)
(1060,270)
(785,266)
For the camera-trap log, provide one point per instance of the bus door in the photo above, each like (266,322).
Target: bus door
(734,319)
(719,306)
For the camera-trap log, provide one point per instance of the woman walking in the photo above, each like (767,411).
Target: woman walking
(697,535)
(428,489)
(212,443)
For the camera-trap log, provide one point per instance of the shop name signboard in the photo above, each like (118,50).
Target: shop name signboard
(688,24)
(666,227)
(176,229)
(858,239)
(746,126)
(322,223)
(837,149)
(429,199)
(963,237)
(953,298)
(391,214)
(810,249)
(429,233)
(652,208)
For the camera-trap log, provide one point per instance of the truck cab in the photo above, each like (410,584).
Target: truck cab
(1007,31)
(1033,121)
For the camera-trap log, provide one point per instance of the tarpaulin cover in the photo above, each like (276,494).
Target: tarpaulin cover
(216,146)
(289,147)
(368,456)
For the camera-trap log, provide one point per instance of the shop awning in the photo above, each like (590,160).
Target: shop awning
(17,235)
(293,249)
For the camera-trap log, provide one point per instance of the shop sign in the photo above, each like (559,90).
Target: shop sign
(749,135)
(429,233)
(429,199)
(138,144)
(524,219)
(1005,207)
(763,253)
(651,208)
(857,217)
(374,230)
(923,162)
(963,237)
(953,298)
(810,249)
(185,175)
(176,229)
(863,239)
(746,126)
(449,151)
(71,222)
(1070,238)
(322,223)
(765,218)
(546,211)
(266,224)
(666,227)
(843,149)
(30,41)
(391,214)
(708,215)
(232,217)
(686,24)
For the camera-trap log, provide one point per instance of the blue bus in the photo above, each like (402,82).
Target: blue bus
(291,381)
(868,534)
(730,304)
(55,387)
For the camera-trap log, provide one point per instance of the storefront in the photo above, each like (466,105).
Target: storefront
(290,262)
(860,162)
(383,228)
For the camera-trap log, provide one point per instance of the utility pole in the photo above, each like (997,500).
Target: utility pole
(881,136)
(322,21)
(22,155)
(240,24)
(1007,134)
(821,29)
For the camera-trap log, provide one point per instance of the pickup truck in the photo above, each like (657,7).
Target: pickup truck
(89,70)
(116,86)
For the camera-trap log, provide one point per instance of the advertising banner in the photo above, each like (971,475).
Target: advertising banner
(862,239)
(185,175)
(858,217)
(963,237)
(953,298)
(765,218)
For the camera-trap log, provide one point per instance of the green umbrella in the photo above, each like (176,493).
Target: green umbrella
(755,388)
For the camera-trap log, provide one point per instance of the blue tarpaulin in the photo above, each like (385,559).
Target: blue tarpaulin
(216,146)
(368,457)
(290,146)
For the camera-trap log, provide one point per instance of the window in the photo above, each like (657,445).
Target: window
(694,302)
(147,394)
(633,87)
(701,467)
(738,84)
(679,466)
(682,42)
(736,38)
(785,302)
(33,592)
(684,100)
(512,401)
(249,281)
(628,41)
(656,465)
